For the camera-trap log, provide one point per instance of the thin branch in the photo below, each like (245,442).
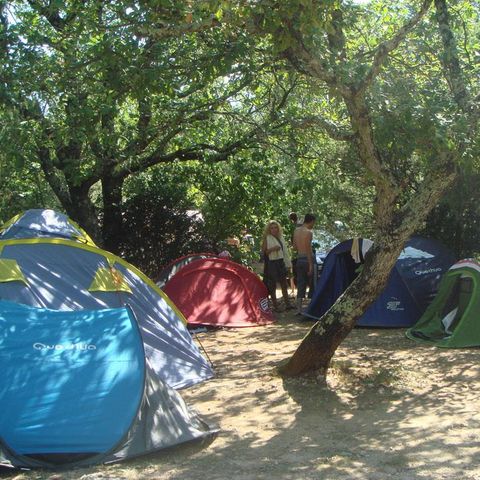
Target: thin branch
(163,32)
(333,131)
(384,49)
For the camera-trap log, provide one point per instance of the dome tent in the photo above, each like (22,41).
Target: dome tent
(76,390)
(37,223)
(453,318)
(60,272)
(175,265)
(220,293)
(410,288)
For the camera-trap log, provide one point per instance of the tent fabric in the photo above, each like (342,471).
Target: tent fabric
(411,286)
(108,279)
(339,271)
(52,360)
(10,271)
(220,293)
(76,390)
(164,420)
(173,267)
(38,223)
(452,319)
(59,274)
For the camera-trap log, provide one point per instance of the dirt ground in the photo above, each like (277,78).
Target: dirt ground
(390,409)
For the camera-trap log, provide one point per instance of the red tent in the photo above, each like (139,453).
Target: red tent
(221,293)
(175,265)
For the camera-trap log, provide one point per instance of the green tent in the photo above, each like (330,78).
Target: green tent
(452,320)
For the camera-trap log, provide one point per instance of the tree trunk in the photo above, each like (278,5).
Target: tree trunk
(396,216)
(81,209)
(112,213)
(319,345)
(72,193)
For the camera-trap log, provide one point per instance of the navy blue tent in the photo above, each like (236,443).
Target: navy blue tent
(77,389)
(411,287)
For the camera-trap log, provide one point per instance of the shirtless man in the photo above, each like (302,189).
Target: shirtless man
(302,243)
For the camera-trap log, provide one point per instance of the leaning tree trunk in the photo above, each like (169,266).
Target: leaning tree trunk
(319,345)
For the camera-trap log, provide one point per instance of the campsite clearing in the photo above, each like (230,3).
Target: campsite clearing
(390,409)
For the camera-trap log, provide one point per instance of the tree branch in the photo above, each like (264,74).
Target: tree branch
(200,152)
(336,37)
(3,31)
(54,180)
(53,15)
(430,192)
(163,32)
(385,182)
(383,50)
(333,131)
(450,61)
(307,63)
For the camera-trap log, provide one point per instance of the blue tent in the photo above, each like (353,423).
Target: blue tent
(76,389)
(411,287)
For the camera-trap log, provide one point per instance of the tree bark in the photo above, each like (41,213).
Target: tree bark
(81,209)
(449,57)
(112,213)
(73,196)
(396,218)
(318,347)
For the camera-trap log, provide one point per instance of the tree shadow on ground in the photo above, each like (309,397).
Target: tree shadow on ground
(388,409)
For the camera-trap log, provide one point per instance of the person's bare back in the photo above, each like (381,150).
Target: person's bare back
(302,240)
(302,243)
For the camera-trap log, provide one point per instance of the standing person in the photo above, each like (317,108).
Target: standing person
(302,243)
(293,217)
(277,259)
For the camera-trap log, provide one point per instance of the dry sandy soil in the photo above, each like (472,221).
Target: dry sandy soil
(390,409)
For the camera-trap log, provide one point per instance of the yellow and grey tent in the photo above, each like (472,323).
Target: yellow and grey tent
(47,267)
(44,223)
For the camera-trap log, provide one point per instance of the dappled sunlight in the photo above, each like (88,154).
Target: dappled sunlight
(173,267)
(36,223)
(68,378)
(217,292)
(388,409)
(75,387)
(394,412)
(58,277)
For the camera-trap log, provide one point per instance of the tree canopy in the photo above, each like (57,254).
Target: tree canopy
(364,112)
(101,99)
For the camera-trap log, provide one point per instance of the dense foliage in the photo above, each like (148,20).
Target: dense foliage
(159,223)
(456,220)
(94,98)
(138,112)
